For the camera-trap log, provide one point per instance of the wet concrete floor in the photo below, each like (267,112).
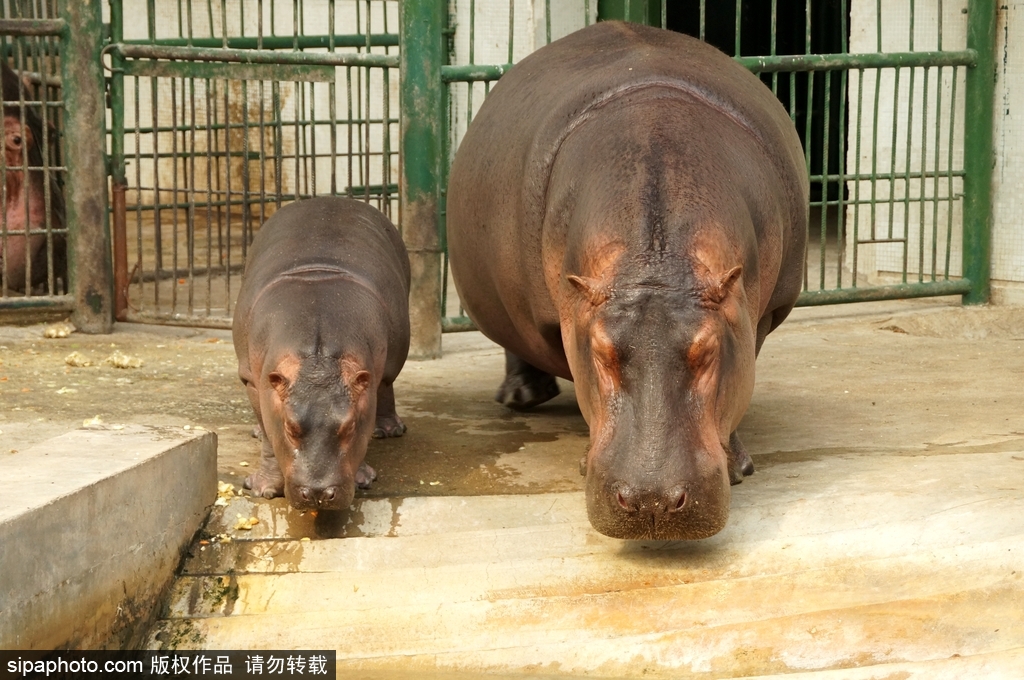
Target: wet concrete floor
(879,537)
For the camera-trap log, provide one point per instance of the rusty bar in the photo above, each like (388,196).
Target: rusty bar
(259,56)
(120,227)
(32,27)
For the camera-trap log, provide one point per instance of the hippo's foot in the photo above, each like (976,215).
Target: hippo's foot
(525,385)
(388,426)
(740,463)
(365,475)
(521,392)
(265,485)
(257,432)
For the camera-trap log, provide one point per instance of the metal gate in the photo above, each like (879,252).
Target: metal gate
(223,111)
(893,102)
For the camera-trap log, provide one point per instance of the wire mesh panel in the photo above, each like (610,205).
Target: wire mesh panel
(33,233)
(223,112)
(877,92)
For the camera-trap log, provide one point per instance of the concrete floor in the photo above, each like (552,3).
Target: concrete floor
(879,537)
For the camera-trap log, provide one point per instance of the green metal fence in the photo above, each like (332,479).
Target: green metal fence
(223,111)
(893,102)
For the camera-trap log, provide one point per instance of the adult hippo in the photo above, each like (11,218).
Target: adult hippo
(321,331)
(627,210)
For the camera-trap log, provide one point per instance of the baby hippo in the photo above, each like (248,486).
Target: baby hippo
(321,331)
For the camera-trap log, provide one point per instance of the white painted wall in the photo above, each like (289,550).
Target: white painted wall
(1008,175)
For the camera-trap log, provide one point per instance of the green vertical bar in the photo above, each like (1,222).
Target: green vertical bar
(89,229)
(118,181)
(978,101)
(637,11)
(422,111)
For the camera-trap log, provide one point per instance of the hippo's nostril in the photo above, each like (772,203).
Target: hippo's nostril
(16,140)
(675,499)
(625,496)
(329,494)
(305,493)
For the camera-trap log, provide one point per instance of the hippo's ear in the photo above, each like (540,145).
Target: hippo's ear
(357,378)
(593,290)
(717,292)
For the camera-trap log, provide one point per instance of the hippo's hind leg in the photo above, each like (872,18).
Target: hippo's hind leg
(388,424)
(267,482)
(740,463)
(525,385)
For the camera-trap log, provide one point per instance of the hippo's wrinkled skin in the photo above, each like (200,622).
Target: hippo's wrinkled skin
(321,330)
(640,199)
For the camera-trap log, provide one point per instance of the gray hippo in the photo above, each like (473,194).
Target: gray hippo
(628,211)
(321,330)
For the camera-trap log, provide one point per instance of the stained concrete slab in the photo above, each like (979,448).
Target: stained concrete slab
(92,528)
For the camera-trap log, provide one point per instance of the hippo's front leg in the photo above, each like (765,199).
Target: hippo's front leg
(525,385)
(740,463)
(387,424)
(268,481)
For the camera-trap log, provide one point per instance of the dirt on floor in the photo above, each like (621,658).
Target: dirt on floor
(459,442)
(826,376)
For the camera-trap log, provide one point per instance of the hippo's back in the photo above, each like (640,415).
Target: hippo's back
(329,232)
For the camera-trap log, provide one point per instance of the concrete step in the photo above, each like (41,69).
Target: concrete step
(904,562)
(93,524)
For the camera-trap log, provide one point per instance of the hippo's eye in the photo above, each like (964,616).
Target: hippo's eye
(703,350)
(292,429)
(347,428)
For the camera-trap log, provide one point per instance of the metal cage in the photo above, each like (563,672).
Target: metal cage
(224,111)
(33,226)
(892,102)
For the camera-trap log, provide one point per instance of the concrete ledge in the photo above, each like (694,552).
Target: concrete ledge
(92,527)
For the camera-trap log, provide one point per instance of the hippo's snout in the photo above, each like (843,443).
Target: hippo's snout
(320,497)
(660,510)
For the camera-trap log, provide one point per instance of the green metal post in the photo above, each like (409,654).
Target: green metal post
(118,182)
(979,99)
(638,11)
(422,112)
(85,125)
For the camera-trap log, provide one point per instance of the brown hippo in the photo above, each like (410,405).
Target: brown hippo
(25,204)
(321,330)
(627,210)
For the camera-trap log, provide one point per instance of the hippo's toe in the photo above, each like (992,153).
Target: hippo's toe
(390,426)
(521,391)
(365,476)
(740,463)
(263,485)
